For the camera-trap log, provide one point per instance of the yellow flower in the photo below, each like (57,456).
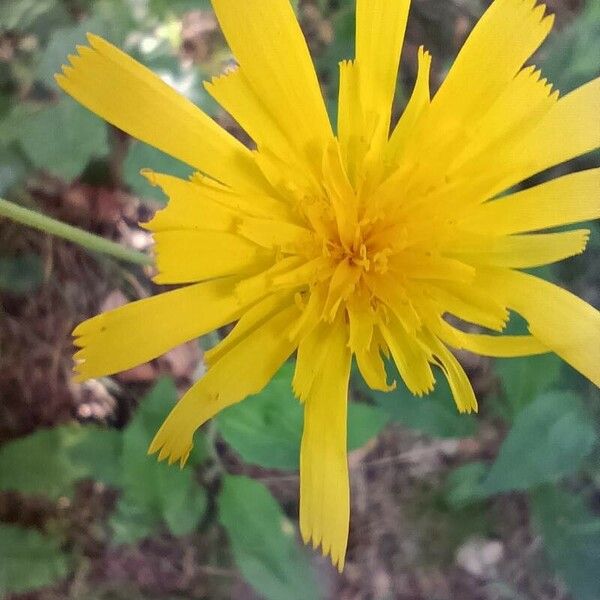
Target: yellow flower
(355,244)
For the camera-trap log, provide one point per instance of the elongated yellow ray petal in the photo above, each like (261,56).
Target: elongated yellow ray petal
(499,346)
(353,145)
(273,234)
(242,371)
(120,90)
(522,251)
(140,331)
(462,391)
(311,352)
(268,44)
(561,321)
(324,486)
(569,129)
(372,367)
(418,102)
(562,201)
(189,256)
(235,94)
(509,32)
(469,304)
(410,357)
(201,204)
(253,318)
(380,28)
(191,207)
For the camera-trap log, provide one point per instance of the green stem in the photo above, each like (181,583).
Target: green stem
(88,240)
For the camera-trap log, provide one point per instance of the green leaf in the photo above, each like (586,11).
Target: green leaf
(183,501)
(154,492)
(50,461)
(435,414)
(61,44)
(29,560)
(63,138)
(463,486)
(524,378)
(571,539)
(266,429)
(21,14)
(21,274)
(12,168)
(141,156)
(166,8)
(549,439)
(572,53)
(365,422)
(133,522)
(264,542)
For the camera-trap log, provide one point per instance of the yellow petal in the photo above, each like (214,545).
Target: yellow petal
(353,145)
(380,28)
(268,44)
(462,391)
(189,256)
(561,321)
(467,303)
(120,90)
(371,366)
(360,319)
(410,357)
(311,350)
(244,370)
(191,206)
(253,317)
(202,203)
(140,331)
(499,346)
(514,112)
(419,100)
(272,234)
(324,485)
(235,94)
(570,128)
(505,37)
(562,201)
(521,251)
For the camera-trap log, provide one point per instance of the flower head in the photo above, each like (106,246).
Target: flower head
(350,244)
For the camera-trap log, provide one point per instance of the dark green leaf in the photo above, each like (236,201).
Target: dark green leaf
(62,43)
(164,8)
(63,138)
(549,439)
(365,422)
(132,522)
(153,491)
(266,429)
(49,461)
(463,486)
(21,14)
(12,169)
(571,540)
(264,542)
(572,53)
(141,156)
(524,378)
(435,414)
(22,274)
(29,560)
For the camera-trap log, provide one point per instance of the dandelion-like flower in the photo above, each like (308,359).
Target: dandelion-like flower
(358,243)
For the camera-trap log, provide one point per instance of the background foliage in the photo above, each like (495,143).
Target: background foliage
(501,506)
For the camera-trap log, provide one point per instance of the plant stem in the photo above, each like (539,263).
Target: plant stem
(87,240)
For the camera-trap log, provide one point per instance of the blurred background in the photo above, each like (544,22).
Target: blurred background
(501,506)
